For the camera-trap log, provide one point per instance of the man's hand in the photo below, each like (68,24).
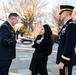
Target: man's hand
(18,41)
(61,65)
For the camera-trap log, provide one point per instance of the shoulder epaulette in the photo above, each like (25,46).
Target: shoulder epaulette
(72,22)
(4,25)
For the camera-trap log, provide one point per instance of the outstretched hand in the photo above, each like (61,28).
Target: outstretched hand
(18,41)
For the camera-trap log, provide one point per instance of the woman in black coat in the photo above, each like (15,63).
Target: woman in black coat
(43,48)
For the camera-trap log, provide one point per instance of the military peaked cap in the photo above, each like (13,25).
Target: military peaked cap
(66,8)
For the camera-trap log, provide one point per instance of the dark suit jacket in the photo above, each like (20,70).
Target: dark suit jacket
(67,41)
(7,42)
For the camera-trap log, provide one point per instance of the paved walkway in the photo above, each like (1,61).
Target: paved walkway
(20,65)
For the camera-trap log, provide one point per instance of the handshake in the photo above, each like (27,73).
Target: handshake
(24,41)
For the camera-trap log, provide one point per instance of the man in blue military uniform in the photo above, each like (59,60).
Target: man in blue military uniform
(67,41)
(7,43)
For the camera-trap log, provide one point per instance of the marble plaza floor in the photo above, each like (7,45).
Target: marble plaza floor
(20,65)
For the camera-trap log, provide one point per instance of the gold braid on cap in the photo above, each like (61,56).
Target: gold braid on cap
(66,9)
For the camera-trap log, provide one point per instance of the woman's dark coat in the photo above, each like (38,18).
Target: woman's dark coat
(40,56)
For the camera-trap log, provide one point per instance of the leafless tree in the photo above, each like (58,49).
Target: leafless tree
(74,15)
(29,10)
(54,18)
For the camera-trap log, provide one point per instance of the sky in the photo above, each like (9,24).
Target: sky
(51,3)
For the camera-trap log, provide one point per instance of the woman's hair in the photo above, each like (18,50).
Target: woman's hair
(48,33)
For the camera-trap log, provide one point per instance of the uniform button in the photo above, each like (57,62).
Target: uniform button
(8,42)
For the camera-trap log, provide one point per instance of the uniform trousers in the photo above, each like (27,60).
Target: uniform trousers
(66,71)
(4,66)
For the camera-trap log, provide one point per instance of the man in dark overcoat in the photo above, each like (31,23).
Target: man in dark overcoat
(67,41)
(7,43)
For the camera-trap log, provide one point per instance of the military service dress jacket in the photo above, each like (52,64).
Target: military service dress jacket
(7,42)
(67,42)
